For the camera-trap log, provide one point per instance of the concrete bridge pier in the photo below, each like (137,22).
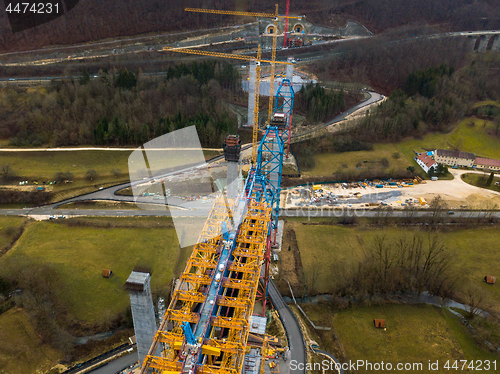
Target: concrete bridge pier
(481,43)
(496,43)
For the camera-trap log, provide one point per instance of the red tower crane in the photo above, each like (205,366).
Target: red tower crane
(286,22)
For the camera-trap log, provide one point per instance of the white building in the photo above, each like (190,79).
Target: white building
(426,162)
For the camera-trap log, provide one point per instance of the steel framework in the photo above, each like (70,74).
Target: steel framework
(284,104)
(216,309)
(206,326)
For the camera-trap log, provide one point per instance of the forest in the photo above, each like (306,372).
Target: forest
(121,107)
(92,20)
(432,100)
(429,99)
(318,104)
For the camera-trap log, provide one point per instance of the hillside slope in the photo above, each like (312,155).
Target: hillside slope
(92,20)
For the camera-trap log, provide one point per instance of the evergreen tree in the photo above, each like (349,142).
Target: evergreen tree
(490,179)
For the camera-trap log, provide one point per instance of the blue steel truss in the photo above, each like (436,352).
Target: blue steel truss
(267,183)
(286,93)
(283,103)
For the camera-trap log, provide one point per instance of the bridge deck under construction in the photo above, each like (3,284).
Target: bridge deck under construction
(216,294)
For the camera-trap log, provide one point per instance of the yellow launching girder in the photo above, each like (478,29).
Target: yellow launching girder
(246,252)
(244,268)
(238,284)
(181,316)
(196,278)
(194,297)
(161,364)
(234,302)
(202,262)
(230,323)
(225,346)
(209,369)
(169,337)
(243,275)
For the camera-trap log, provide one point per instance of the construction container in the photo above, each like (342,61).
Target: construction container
(232,148)
(279,120)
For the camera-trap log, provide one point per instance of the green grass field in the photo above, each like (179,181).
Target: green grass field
(470,135)
(478,139)
(43,165)
(78,255)
(479,180)
(8,226)
(22,350)
(414,334)
(347,162)
(111,168)
(329,249)
(487,102)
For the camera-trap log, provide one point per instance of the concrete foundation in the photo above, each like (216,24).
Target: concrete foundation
(232,180)
(483,43)
(251,92)
(143,314)
(496,43)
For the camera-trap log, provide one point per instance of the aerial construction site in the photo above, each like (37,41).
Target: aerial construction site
(222,297)
(257,188)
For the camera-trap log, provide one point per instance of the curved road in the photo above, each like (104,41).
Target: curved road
(338,365)
(374,97)
(294,333)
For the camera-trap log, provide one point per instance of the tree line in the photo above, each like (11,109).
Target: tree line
(319,104)
(93,20)
(433,99)
(122,107)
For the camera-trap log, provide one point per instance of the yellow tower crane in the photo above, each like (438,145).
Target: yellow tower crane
(258,61)
(275,18)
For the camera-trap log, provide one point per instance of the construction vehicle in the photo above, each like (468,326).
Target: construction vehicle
(294,42)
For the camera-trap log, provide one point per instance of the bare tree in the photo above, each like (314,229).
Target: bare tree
(476,300)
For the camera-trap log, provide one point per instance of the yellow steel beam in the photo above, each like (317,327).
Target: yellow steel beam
(244,268)
(234,302)
(168,337)
(195,297)
(236,13)
(210,369)
(154,362)
(237,283)
(225,346)
(202,262)
(229,322)
(178,315)
(196,278)
(222,55)
(255,130)
(271,78)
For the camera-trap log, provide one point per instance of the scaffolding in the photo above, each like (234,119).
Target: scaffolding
(217,308)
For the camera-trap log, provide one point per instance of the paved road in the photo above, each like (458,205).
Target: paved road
(374,97)
(294,333)
(337,365)
(117,365)
(202,211)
